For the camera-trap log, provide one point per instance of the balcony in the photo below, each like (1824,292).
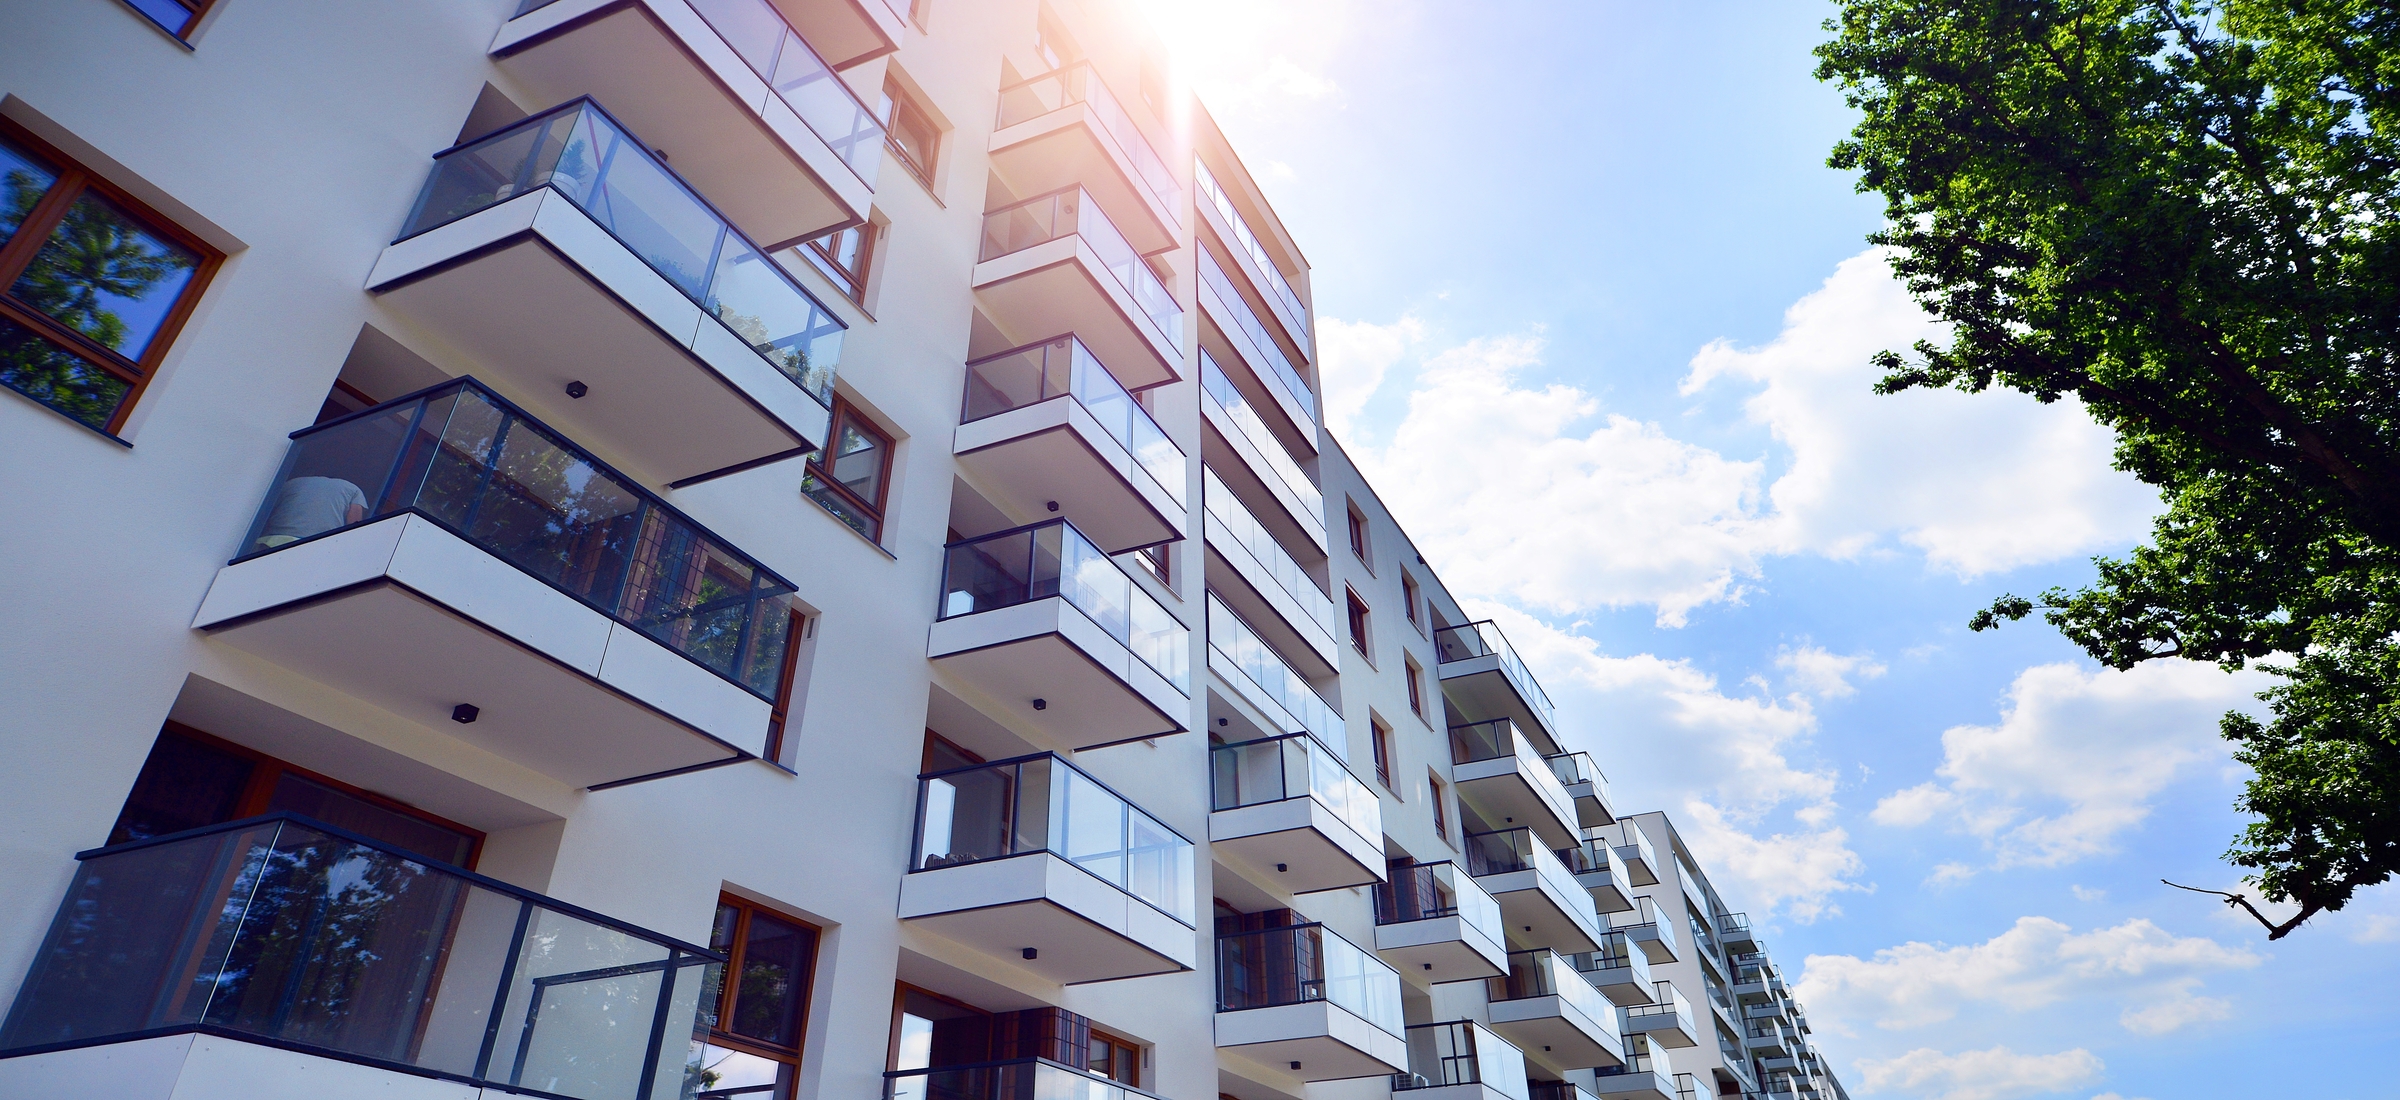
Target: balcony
(1734,930)
(1553,1015)
(1750,984)
(1015,1079)
(591,283)
(343,960)
(1587,786)
(1262,582)
(1649,928)
(1247,338)
(1641,861)
(1481,672)
(1288,804)
(1264,458)
(1558,1090)
(1768,1039)
(756,118)
(1460,1060)
(1619,971)
(1646,1075)
(1048,425)
(1034,861)
(1602,875)
(1499,774)
(1665,1021)
(1055,263)
(1538,897)
(1250,254)
(1039,619)
(1257,673)
(448,550)
(1432,920)
(1304,998)
(1065,128)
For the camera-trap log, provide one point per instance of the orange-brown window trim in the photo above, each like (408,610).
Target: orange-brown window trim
(271,769)
(730,987)
(73,182)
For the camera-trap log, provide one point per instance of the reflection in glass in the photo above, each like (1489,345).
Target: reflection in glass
(103,275)
(1232,637)
(1078,83)
(1059,214)
(1053,559)
(1296,964)
(503,481)
(57,377)
(24,179)
(1295,765)
(1064,367)
(1042,803)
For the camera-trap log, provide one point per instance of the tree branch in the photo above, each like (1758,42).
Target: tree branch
(2274,931)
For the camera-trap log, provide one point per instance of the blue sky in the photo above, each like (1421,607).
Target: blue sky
(1596,318)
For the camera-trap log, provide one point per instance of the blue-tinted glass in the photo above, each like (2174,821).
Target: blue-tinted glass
(106,276)
(24,179)
(58,378)
(175,17)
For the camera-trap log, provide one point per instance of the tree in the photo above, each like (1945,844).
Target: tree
(2182,213)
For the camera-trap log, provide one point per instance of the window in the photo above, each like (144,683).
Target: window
(97,285)
(852,485)
(910,132)
(193,780)
(1052,43)
(1159,561)
(1358,538)
(1408,602)
(1383,753)
(176,17)
(1416,689)
(779,717)
(842,256)
(1441,821)
(1358,624)
(1117,1059)
(761,1010)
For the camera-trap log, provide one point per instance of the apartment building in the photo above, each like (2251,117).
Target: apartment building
(740,548)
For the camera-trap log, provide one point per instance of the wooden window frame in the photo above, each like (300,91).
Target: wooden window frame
(1433,793)
(844,413)
(1117,1044)
(197,10)
(900,992)
(852,283)
(1160,561)
(902,100)
(1360,619)
(74,180)
(268,770)
(1410,593)
(779,715)
(1362,544)
(1381,737)
(731,985)
(1415,674)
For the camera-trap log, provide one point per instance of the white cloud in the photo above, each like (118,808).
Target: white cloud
(1352,357)
(2088,893)
(1628,515)
(1824,673)
(2075,759)
(1995,1074)
(1977,482)
(1945,874)
(2154,974)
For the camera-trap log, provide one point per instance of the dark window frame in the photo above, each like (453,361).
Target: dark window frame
(850,280)
(73,182)
(1361,621)
(902,109)
(1410,594)
(1416,687)
(1433,795)
(820,477)
(195,11)
(730,987)
(1381,736)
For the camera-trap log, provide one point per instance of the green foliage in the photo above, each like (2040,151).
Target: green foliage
(2182,213)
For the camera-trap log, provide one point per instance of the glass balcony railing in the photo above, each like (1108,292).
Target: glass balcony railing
(1072,213)
(1572,768)
(1017,1079)
(1277,290)
(578,151)
(1295,765)
(1557,1090)
(1483,638)
(1425,891)
(1063,367)
(1245,419)
(1667,1009)
(1297,964)
(1594,857)
(1044,804)
(463,457)
(1052,558)
(1616,958)
(1258,662)
(1279,366)
(1503,851)
(1229,515)
(1461,1052)
(1542,972)
(300,935)
(809,86)
(1078,83)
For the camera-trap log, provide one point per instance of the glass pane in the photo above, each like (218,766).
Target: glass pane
(45,372)
(1015,380)
(858,462)
(614,180)
(988,573)
(1093,583)
(409,832)
(24,179)
(759,302)
(1094,833)
(774,980)
(1159,866)
(105,275)
(497,169)
(967,817)
(688,592)
(580,1009)
(183,785)
(771,626)
(716,1072)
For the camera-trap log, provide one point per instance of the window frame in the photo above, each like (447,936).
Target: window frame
(898,99)
(1118,1046)
(74,180)
(1362,544)
(793,1056)
(1360,620)
(198,10)
(1410,594)
(267,770)
(1415,674)
(1433,792)
(852,283)
(1380,736)
(779,714)
(844,413)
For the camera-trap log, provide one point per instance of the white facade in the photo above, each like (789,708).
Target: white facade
(570,375)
